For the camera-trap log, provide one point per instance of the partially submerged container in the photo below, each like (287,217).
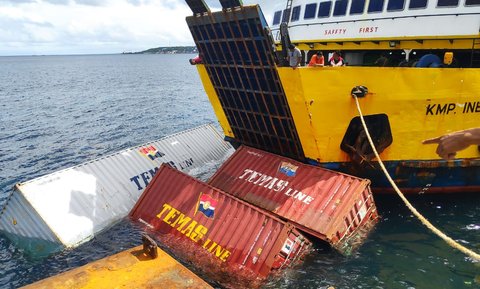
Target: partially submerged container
(67,207)
(332,206)
(231,241)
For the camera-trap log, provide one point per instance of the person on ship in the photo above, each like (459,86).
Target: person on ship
(294,56)
(195,60)
(382,60)
(449,144)
(317,59)
(336,59)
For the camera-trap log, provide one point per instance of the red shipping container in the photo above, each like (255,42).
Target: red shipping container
(229,240)
(332,206)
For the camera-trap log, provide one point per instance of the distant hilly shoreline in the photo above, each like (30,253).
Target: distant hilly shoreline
(168,50)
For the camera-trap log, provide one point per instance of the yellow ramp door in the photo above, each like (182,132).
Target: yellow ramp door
(128,269)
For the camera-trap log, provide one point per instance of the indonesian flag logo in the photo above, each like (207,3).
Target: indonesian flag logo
(206,205)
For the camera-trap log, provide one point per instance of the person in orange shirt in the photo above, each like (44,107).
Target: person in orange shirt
(317,59)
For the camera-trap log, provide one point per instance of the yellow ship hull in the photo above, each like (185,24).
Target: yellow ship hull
(420,103)
(309,113)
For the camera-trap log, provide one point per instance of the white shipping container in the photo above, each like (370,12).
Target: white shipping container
(67,208)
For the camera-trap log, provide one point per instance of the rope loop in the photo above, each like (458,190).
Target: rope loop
(414,211)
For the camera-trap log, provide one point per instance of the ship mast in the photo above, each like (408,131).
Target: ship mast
(284,37)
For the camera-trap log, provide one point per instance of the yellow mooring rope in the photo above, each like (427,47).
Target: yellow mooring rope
(424,221)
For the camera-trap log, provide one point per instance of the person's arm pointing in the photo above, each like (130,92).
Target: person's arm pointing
(450,144)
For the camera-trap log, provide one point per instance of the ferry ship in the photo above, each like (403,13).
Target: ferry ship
(427,85)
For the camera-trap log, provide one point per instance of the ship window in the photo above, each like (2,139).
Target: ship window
(414,4)
(310,10)
(375,6)
(472,2)
(276,17)
(340,8)
(357,7)
(324,9)
(447,3)
(295,13)
(395,5)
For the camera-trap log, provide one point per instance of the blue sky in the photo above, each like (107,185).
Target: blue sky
(46,27)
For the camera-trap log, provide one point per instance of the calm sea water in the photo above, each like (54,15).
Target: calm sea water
(59,111)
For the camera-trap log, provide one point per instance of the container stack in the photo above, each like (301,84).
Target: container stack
(67,208)
(332,206)
(256,216)
(234,243)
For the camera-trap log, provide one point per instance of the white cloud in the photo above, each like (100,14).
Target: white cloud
(93,26)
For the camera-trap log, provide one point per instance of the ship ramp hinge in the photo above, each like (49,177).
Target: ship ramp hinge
(198,7)
(228,4)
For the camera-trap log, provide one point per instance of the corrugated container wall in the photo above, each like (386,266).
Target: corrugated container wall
(66,208)
(335,207)
(231,241)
